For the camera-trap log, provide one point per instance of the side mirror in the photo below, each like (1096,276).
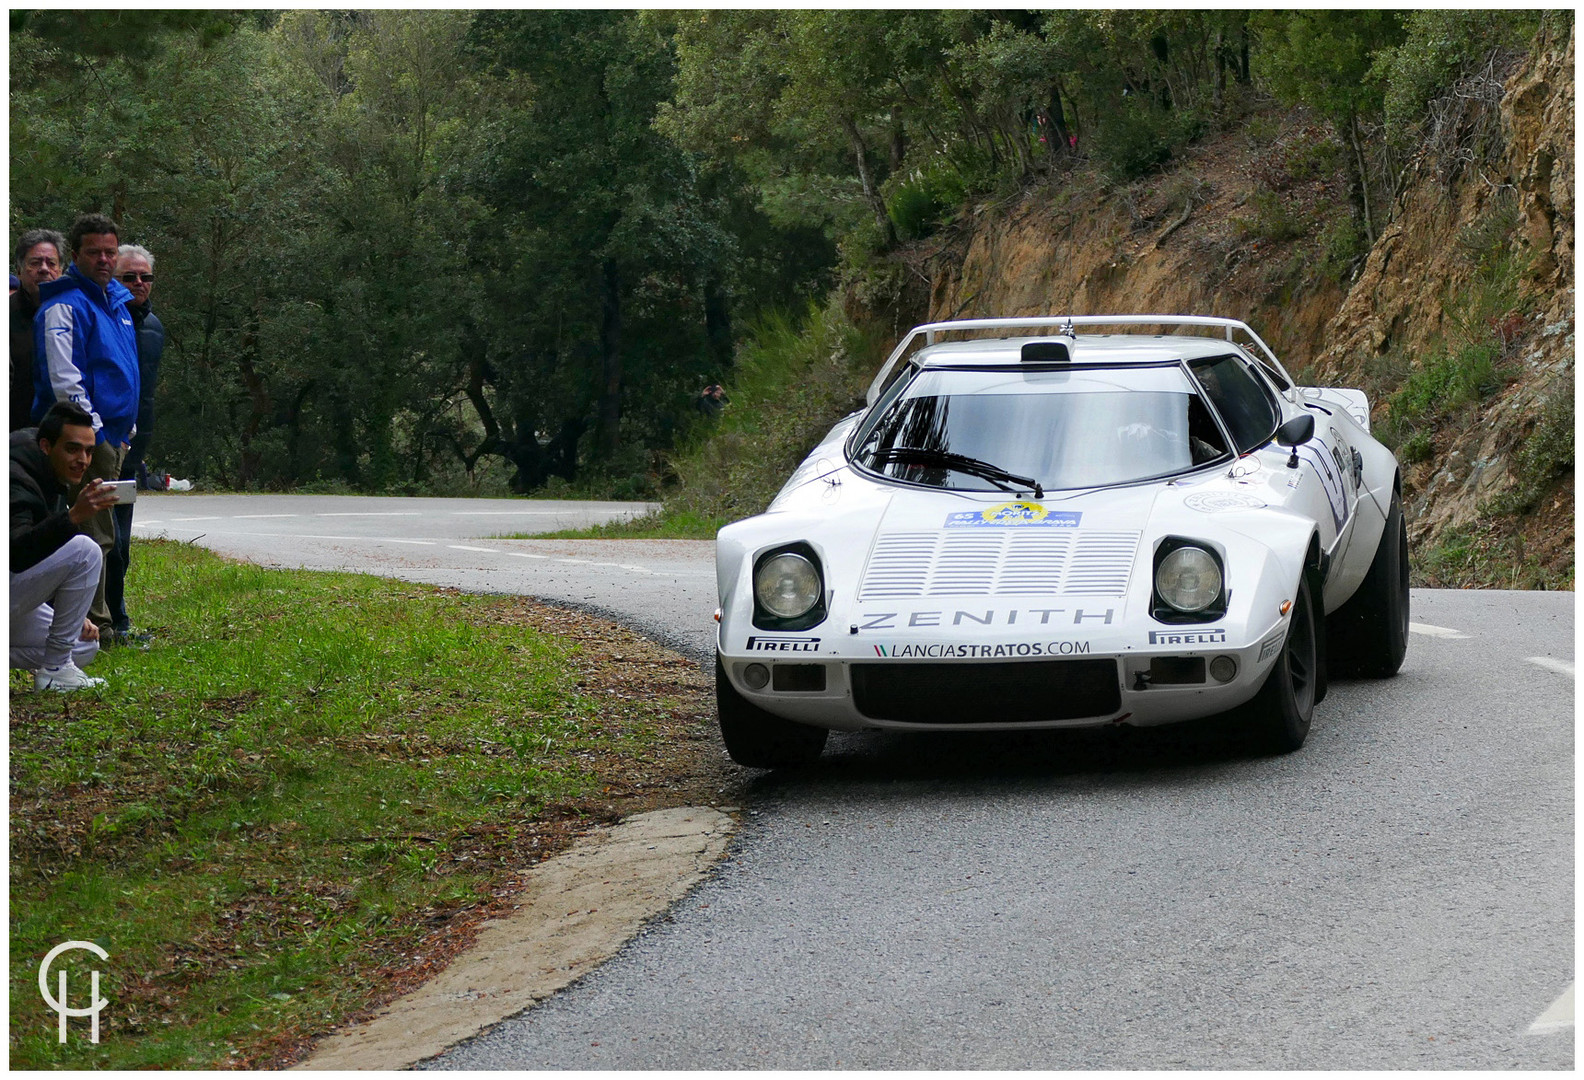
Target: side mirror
(1294,433)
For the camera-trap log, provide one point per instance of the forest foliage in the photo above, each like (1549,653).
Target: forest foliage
(412,250)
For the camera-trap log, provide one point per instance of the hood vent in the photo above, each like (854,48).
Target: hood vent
(1010,562)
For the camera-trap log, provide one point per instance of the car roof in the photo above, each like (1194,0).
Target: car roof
(1083,348)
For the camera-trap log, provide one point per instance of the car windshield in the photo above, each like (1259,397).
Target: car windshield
(1068,428)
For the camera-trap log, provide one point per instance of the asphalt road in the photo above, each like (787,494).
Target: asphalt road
(1398,894)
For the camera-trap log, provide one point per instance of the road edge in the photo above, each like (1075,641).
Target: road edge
(575,911)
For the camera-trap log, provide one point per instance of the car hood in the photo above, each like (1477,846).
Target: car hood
(912,548)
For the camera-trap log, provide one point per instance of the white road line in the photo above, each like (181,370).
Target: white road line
(249,517)
(216,517)
(581,562)
(510,513)
(1435,631)
(308,536)
(524,555)
(1558,1018)
(464,547)
(1561,667)
(374,513)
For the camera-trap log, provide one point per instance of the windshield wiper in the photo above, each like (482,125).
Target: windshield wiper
(923,455)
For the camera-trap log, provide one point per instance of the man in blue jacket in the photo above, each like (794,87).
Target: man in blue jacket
(85,352)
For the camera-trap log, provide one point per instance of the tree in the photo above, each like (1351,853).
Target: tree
(603,229)
(1324,59)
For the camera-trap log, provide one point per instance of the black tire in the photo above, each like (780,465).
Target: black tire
(1368,635)
(756,738)
(1277,719)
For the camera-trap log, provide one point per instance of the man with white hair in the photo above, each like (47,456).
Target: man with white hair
(135,270)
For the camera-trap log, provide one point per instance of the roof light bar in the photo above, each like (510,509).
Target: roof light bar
(1067,326)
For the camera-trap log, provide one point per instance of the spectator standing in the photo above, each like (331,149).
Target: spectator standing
(135,270)
(54,566)
(40,255)
(87,354)
(711,400)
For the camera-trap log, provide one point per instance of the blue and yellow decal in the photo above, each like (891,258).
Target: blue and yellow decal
(1013,515)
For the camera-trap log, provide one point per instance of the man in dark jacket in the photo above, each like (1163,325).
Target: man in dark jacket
(40,256)
(87,355)
(135,270)
(54,566)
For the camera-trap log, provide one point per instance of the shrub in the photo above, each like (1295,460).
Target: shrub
(1441,47)
(1343,244)
(1448,381)
(1272,218)
(925,198)
(1547,454)
(1138,138)
(1416,448)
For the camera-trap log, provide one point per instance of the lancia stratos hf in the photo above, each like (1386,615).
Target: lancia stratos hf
(1034,524)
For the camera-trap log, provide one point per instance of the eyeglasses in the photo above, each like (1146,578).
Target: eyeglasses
(129,278)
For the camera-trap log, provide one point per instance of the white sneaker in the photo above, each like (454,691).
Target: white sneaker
(65,678)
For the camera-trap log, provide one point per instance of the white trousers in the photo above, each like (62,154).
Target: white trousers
(49,601)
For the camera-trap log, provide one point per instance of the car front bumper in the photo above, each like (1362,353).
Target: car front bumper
(1172,675)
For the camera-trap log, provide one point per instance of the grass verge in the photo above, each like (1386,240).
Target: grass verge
(299,802)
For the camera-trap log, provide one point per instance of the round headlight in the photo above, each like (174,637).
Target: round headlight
(1188,579)
(787,585)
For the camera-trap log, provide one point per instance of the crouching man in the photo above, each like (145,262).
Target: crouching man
(55,568)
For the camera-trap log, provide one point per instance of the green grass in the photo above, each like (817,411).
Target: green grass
(284,797)
(1484,555)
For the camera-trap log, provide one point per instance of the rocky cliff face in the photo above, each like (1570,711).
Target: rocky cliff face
(1475,268)
(1418,286)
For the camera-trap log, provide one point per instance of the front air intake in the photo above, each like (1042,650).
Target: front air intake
(1025,692)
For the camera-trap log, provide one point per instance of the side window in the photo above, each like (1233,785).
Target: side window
(899,381)
(1241,399)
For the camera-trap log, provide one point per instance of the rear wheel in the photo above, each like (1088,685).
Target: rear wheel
(756,738)
(1277,719)
(1368,635)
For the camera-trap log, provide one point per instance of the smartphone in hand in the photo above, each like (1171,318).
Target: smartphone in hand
(125,490)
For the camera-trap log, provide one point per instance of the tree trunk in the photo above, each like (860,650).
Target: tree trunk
(1220,69)
(610,358)
(898,140)
(1057,122)
(717,323)
(1363,179)
(871,195)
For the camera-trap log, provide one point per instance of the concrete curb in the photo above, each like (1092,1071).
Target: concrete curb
(575,911)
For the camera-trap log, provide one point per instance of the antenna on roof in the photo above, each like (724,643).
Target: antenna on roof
(1067,329)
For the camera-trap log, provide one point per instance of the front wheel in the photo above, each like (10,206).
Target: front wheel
(757,739)
(1277,718)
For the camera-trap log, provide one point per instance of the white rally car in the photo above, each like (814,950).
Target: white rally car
(1057,527)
